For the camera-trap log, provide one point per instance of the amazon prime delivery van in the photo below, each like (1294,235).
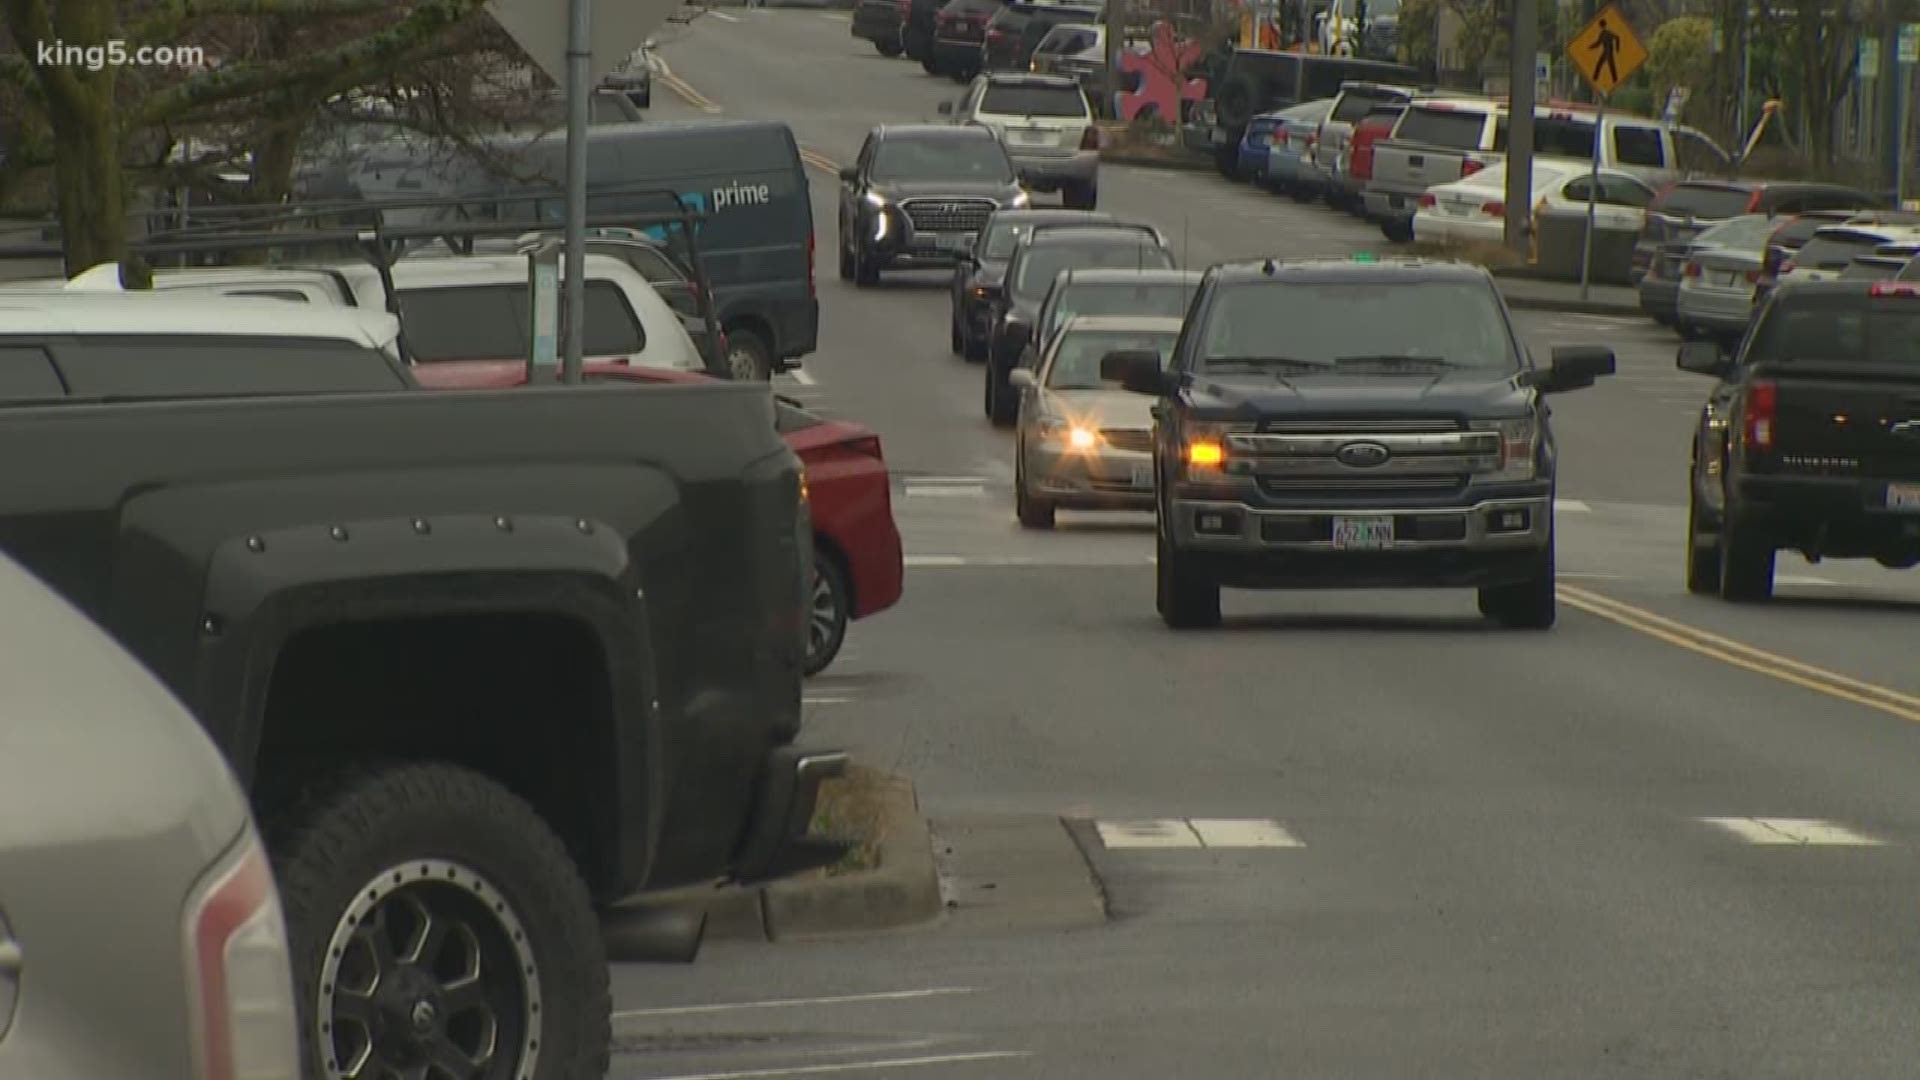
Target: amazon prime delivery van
(756,241)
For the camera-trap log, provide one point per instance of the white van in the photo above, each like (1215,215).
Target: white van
(458,307)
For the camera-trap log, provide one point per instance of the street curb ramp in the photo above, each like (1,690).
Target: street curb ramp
(903,891)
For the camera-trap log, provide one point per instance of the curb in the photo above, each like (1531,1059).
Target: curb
(1571,307)
(903,891)
(1150,161)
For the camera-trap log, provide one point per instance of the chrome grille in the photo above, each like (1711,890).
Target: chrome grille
(1376,487)
(948,215)
(1136,439)
(1360,427)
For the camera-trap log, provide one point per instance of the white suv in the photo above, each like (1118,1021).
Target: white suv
(1047,127)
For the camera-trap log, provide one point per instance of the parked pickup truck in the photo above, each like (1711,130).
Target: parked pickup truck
(1810,441)
(1355,424)
(1439,140)
(486,662)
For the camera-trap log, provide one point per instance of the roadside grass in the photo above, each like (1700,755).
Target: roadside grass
(853,808)
(1491,256)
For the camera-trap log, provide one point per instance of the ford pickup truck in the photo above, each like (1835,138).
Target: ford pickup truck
(1810,438)
(1357,424)
(488,663)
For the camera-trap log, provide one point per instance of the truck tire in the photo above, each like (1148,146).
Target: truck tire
(375,868)
(847,267)
(929,65)
(1033,513)
(1525,605)
(866,272)
(956,337)
(1187,600)
(1001,403)
(1746,563)
(1703,552)
(749,357)
(829,607)
(1398,230)
(888,49)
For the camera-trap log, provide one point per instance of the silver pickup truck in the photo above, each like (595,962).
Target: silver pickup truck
(1439,140)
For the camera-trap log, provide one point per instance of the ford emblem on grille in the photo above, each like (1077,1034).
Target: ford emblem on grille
(1362,455)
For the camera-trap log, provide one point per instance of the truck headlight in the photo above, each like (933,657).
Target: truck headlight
(1203,445)
(1519,447)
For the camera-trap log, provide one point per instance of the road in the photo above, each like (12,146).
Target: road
(1350,834)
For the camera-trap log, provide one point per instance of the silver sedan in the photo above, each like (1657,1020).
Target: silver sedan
(1081,442)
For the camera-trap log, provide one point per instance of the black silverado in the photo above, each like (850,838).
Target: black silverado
(1811,440)
(1354,424)
(488,663)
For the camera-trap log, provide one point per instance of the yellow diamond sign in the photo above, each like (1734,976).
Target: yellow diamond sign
(1607,52)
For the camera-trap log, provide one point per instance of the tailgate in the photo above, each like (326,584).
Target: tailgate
(1859,420)
(1414,167)
(1034,134)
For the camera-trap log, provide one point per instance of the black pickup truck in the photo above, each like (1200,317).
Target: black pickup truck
(1810,441)
(487,662)
(1358,424)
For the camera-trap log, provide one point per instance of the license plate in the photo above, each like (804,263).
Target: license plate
(1722,277)
(1903,497)
(1031,137)
(1362,533)
(1143,475)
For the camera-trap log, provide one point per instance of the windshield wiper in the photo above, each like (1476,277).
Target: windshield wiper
(1263,363)
(1424,363)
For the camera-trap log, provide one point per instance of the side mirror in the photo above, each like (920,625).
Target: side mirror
(850,175)
(1021,377)
(1136,370)
(1574,367)
(945,108)
(1703,358)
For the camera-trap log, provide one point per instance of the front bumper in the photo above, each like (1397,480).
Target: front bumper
(1102,478)
(1489,541)
(776,842)
(900,244)
(1048,171)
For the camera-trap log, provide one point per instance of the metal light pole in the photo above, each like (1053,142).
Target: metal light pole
(1524,36)
(579,104)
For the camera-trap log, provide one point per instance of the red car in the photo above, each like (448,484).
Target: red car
(857,567)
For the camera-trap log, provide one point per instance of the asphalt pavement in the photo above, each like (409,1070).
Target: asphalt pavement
(1349,834)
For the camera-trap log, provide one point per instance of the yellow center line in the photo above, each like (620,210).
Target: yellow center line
(1743,656)
(819,161)
(687,93)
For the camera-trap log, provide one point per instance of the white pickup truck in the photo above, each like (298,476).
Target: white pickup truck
(1441,139)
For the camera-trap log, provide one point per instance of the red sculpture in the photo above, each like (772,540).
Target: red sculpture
(1161,86)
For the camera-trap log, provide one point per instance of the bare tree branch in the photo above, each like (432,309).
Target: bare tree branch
(166,19)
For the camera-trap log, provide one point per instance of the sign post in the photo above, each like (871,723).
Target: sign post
(1606,53)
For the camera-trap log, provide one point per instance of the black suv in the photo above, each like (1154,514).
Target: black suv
(1810,440)
(1018,28)
(977,280)
(919,195)
(1038,259)
(1357,424)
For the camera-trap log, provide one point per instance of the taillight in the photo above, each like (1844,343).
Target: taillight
(1090,139)
(1757,421)
(1427,202)
(1692,269)
(1894,288)
(1495,208)
(1470,166)
(242,980)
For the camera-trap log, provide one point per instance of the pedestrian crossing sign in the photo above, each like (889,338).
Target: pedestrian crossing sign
(1607,52)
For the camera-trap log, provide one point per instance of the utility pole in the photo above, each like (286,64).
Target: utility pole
(1116,20)
(579,102)
(1524,34)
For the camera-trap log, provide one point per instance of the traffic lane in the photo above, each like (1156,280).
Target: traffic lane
(1626,438)
(1495,825)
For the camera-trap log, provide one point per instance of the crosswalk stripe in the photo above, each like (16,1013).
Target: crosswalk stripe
(1214,833)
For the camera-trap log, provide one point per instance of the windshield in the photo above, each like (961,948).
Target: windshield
(1839,329)
(1033,101)
(1042,265)
(1833,251)
(1748,232)
(1076,365)
(1320,325)
(944,158)
(1168,300)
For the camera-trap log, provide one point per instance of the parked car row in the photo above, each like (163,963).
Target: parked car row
(962,38)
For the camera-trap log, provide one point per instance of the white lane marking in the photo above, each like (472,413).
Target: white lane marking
(961,487)
(1585,575)
(947,481)
(792,1003)
(1571,506)
(836,18)
(803,377)
(1161,833)
(855,1066)
(924,561)
(807,700)
(1248,833)
(723,16)
(1802,579)
(1804,832)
